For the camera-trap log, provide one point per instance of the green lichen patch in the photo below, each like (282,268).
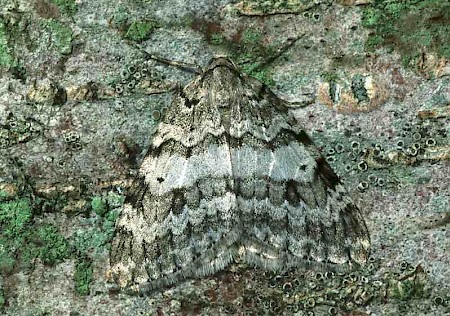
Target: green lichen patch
(91,241)
(259,7)
(14,217)
(98,205)
(6,57)
(3,195)
(108,224)
(67,6)
(217,39)
(7,259)
(49,245)
(114,200)
(358,88)
(96,239)
(248,50)
(62,36)
(25,239)
(140,30)
(2,298)
(251,53)
(83,276)
(119,19)
(22,240)
(106,205)
(409,286)
(411,27)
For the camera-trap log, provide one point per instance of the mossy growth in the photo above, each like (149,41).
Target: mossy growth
(62,36)
(67,6)
(140,30)
(97,238)
(217,39)
(2,298)
(249,52)
(99,206)
(359,89)
(21,241)
(410,26)
(108,225)
(6,58)
(14,216)
(7,259)
(330,76)
(3,195)
(51,246)
(119,19)
(408,289)
(83,277)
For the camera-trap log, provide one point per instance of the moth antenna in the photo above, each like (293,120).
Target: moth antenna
(280,51)
(192,68)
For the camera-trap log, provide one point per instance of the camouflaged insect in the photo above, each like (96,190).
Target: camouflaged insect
(231,176)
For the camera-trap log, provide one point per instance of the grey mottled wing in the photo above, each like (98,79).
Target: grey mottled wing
(293,208)
(178,219)
(230,175)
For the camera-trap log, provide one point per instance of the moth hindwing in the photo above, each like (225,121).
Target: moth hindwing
(230,175)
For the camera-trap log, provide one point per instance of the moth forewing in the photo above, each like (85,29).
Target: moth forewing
(230,175)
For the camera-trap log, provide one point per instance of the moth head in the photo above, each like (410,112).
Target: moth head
(222,61)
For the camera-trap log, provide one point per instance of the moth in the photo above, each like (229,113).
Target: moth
(231,176)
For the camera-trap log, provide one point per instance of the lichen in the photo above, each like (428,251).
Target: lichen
(67,6)
(410,27)
(261,7)
(97,238)
(358,88)
(62,36)
(83,277)
(3,195)
(217,39)
(22,241)
(17,131)
(7,260)
(2,298)
(98,205)
(249,52)
(14,216)
(6,57)
(51,246)
(140,30)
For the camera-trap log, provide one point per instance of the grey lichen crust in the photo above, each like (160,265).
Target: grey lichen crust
(231,176)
